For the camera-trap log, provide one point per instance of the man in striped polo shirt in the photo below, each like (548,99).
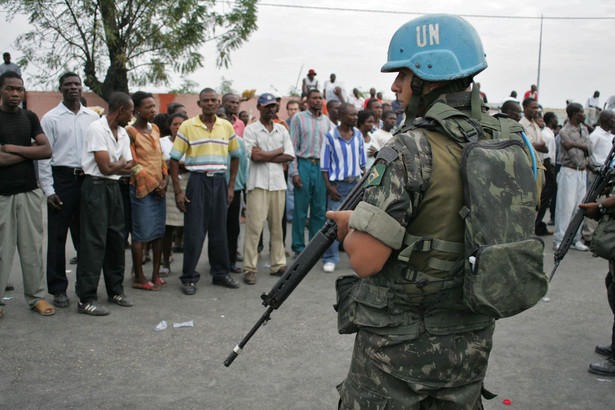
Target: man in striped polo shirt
(342,161)
(307,131)
(206,140)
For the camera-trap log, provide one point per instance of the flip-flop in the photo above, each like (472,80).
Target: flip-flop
(145,286)
(159,282)
(44,308)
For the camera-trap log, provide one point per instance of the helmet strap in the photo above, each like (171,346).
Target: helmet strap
(415,101)
(475,102)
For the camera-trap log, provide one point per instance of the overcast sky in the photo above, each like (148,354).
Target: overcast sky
(577,55)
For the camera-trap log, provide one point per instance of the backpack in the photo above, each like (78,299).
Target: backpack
(503,269)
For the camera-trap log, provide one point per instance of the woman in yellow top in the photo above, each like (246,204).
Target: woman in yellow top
(148,186)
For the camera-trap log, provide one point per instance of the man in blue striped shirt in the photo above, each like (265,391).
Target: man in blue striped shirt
(342,161)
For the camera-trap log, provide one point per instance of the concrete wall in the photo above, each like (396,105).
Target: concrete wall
(40,102)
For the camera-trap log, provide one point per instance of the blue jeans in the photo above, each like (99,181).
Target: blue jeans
(333,254)
(313,195)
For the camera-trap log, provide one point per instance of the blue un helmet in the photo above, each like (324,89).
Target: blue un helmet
(437,47)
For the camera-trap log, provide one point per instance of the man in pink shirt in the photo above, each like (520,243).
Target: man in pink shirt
(231,101)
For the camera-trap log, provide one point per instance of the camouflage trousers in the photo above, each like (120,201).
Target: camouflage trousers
(430,372)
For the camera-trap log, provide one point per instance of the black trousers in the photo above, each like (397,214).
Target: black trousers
(67,186)
(102,239)
(233,227)
(205,215)
(545,197)
(125,190)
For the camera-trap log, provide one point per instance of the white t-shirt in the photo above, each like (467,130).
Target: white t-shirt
(549,138)
(330,91)
(100,138)
(381,136)
(602,142)
(367,145)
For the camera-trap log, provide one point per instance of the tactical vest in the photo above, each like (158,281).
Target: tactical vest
(422,283)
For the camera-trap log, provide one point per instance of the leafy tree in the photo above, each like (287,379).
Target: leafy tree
(128,41)
(226,86)
(187,87)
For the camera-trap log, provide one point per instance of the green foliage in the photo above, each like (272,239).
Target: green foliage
(188,87)
(293,91)
(114,42)
(226,87)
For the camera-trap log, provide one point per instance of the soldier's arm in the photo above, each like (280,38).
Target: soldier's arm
(367,254)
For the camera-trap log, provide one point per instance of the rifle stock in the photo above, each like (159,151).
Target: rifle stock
(300,267)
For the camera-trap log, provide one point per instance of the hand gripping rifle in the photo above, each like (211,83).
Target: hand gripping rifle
(603,178)
(300,267)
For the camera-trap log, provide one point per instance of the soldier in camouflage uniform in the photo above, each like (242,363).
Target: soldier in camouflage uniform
(418,346)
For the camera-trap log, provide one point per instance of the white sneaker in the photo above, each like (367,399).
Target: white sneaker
(580,246)
(329,267)
(555,245)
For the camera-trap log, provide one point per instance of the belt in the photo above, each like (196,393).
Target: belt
(101,180)
(209,174)
(315,161)
(576,168)
(74,171)
(349,180)
(124,180)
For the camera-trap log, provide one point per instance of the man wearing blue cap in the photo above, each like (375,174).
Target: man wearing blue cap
(268,146)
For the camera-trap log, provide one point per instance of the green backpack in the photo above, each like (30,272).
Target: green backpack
(503,270)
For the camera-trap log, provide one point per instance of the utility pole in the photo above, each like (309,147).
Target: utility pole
(539,54)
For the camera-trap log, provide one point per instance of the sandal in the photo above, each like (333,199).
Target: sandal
(159,282)
(44,308)
(164,272)
(145,286)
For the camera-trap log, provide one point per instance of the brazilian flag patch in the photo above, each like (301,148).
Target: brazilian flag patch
(375,176)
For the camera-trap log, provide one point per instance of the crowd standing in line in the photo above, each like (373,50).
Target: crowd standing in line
(167,180)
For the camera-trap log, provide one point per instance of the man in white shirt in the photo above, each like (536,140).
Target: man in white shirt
(383,135)
(61,178)
(356,99)
(334,90)
(268,146)
(610,103)
(602,142)
(106,156)
(593,106)
(532,130)
(548,160)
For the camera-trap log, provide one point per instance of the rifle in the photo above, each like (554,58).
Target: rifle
(603,178)
(302,265)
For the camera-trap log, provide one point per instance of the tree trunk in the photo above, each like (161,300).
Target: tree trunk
(117,74)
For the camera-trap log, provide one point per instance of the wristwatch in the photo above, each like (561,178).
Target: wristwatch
(601,209)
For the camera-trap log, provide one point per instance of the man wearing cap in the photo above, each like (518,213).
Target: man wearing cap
(418,345)
(307,131)
(268,146)
(309,83)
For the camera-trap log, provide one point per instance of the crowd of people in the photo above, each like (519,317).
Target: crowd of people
(159,183)
(166,180)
